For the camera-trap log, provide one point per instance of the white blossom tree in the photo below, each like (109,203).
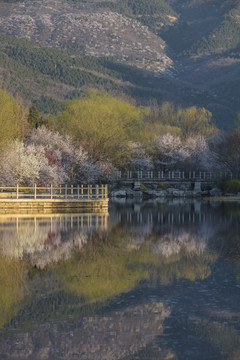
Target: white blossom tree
(67,159)
(167,150)
(22,164)
(138,159)
(171,151)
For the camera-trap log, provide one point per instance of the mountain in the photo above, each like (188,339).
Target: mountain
(183,51)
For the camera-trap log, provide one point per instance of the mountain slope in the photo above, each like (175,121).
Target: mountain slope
(89,29)
(183,51)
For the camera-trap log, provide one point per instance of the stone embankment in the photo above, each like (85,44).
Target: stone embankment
(140,191)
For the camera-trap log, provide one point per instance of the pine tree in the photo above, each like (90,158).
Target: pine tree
(33,116)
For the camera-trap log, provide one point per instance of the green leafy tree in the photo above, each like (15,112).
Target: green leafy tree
(103,124)
(13,122)
(191,121)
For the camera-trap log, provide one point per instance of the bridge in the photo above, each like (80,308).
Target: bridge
(175,176)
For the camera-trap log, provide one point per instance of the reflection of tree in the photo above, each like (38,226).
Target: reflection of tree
(115,263)
(41,245)
(12,279)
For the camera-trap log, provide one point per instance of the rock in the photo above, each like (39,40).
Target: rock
(178,193)
(130,193)
(137,185)
(215,192)
(190,193)
(155,193)
(161,193)
(197,186)
(138,194)
(119,193)
(170,191)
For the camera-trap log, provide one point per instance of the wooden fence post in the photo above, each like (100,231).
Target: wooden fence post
(78,190)
(17,190)
(35,191)
(65,191)
(106,191)
(51,191)
(97,192)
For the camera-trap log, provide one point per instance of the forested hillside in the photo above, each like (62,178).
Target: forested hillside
(181,51)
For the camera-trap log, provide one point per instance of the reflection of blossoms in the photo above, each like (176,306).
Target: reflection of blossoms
(62,251)
(41,245)
(191,246)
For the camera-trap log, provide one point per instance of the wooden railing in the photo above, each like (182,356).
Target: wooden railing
(176,175)
(62,192)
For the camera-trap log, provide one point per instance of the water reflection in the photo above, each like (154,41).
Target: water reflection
(151,280)
(48,238)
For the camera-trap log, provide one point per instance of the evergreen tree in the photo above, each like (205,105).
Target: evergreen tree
(33,116)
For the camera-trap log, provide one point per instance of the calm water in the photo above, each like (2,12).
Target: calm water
(145,281)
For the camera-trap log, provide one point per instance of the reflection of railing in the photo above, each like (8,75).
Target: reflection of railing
(176,175)
(62,192)
(84,221)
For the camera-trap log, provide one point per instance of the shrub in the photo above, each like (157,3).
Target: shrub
(161,186)
(232,186)
(143,187)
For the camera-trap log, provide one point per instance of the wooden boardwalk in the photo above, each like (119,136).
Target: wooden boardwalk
(65,197)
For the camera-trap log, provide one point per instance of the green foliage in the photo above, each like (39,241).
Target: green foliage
(142,186)
(232,186)
(47,105)
(13,122)
(102,123)
(191,121)
(223,38)
(37,73)
(161,186)
(33,116)
(65,69)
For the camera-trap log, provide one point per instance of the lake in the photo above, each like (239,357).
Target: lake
(150,280)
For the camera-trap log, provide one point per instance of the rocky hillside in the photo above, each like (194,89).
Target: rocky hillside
(93,30)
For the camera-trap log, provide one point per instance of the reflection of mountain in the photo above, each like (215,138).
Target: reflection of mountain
(119,334)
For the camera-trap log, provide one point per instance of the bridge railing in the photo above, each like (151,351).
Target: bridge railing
(62,192)
(176,175)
